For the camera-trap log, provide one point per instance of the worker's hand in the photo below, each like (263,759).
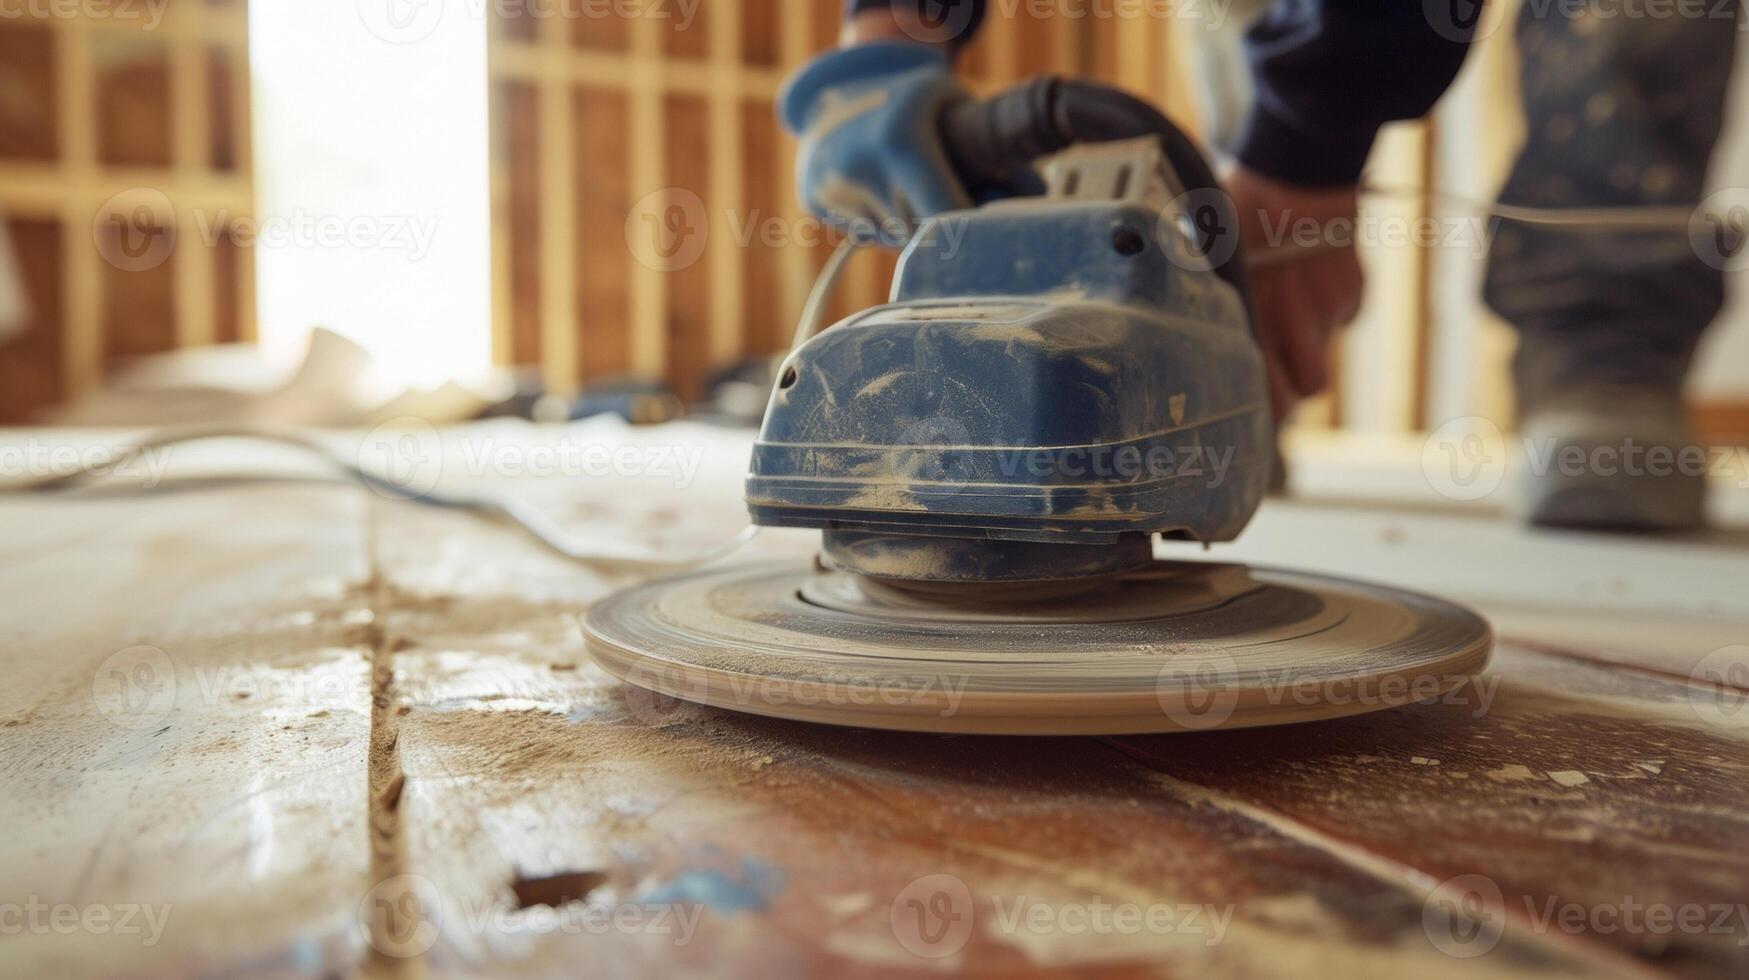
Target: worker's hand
(871,160)
(1300,297)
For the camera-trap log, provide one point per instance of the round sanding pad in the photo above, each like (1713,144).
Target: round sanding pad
(1179,646)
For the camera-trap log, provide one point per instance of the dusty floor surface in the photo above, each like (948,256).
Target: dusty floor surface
(309,729)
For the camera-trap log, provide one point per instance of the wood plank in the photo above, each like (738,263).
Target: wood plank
(185,720)
(1554,783)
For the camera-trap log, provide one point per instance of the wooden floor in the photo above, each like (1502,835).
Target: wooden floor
(300,729)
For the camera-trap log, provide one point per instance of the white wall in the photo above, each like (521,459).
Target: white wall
(1722,371)
(372,191)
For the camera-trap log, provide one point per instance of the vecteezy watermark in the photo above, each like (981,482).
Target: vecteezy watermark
(1461,20)
(1467,916)
(148,14)
(1200,690)
(1201,694)
(1472,235)
(949,21)
(138,687)
(930,455)
(1464,916)
(669,229)
(1467,458)
(137,229)
(135,687)
(406,458)
(401,916)
(1464,458)
(1191,462)
(1456,20)
(412,21)
(405,915)
(934,916)
(660,696)
(402,458)
(937,455)
(1718,230)
(1201,229)
(36,459)
(1718,688)
(301,228)
(35,917)
(934,21)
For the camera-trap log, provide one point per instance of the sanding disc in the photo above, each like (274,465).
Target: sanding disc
(1179,646)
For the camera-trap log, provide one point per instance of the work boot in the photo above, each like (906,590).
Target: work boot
(1611,458)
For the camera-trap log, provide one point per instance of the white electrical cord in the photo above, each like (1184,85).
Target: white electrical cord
(536,524)
(1629,218)
(1643,217)
(814,310)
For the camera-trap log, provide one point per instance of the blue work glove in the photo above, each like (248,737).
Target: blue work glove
(871,161)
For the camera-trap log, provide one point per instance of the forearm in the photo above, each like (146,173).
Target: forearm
(1329,73)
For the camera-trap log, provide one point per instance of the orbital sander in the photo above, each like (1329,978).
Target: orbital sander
(1061,376)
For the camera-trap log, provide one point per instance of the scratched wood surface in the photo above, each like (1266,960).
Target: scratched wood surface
(309,729)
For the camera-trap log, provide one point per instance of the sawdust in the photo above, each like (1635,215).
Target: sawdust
(517,749)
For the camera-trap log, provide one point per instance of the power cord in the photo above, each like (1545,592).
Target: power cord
(1641,217)
(517,512)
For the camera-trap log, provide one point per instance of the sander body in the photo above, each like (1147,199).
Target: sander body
(1057,379)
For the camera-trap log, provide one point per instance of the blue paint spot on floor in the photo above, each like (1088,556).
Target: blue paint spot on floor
(744,891)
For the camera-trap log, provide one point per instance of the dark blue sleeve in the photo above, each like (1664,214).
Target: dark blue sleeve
(1329,73)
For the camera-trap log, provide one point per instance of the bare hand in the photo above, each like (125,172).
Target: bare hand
(1302,298)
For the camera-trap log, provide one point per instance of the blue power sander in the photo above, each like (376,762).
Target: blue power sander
(1061,376)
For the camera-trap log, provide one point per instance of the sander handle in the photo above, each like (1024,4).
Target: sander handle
(993,143)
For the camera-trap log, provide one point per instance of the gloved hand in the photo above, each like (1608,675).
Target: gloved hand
(871,161)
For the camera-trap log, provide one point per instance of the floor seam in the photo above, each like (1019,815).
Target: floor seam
(1389,870)
(394,909)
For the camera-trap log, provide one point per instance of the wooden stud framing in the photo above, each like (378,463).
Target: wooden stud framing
(728,261)
(1141,57)
(74,186)
(558,235)
(649,334)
